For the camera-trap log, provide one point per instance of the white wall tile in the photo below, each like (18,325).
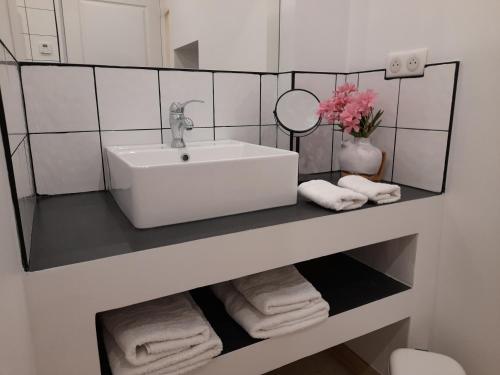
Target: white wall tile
(36,41)
(268,134)
(130,137)
(41,22)
(383,138)
(128,98)
(125,138)
(22,171)
(24,19)
(67,163)
(248,134)
(425,103)
(284,83)
(321,85)
(316,151)
(27,50)
(59,98)
(337,143)
(420,158)
(12,99)
(341,78)
(352,78)
(15,140)
(184,86)
(283,140)
(237,98)
(268,97)
(387,94)
(194,135)
(40,4)
(20,3)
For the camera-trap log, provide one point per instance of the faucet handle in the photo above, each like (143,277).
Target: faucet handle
(179,107)
(188,123)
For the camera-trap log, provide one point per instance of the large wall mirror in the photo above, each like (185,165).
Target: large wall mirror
(188,34)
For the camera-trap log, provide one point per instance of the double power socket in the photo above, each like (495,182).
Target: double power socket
(406,63)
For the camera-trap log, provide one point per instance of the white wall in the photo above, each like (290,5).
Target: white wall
(314,35)
(232,34)
(467,316)
(15,343)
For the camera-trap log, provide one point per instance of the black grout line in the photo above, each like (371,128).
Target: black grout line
(52,36)
(58,64)
(333,130)
(395,134)
(19,144)
(213,102)
(450,126)
(29,34)
(12,183)
(26,123)
(159,102)
(99,126)
(260,110)
(279,35)
(57,30)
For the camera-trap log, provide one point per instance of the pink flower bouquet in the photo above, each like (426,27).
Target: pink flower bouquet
(352,110)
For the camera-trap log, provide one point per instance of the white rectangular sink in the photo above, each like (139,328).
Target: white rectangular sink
(156,185)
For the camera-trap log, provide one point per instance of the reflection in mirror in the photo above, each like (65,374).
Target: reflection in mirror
(192,34)
(297,111)
(14,128)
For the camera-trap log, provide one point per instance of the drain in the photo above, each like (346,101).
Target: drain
(185,157)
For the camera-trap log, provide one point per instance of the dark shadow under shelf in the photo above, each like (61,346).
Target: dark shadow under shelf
(343,282)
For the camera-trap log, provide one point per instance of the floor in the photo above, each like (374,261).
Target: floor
(322,363)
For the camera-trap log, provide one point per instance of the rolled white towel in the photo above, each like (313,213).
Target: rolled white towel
(330,196)
(155,329)
(375,191)
(263,326)
(277,291)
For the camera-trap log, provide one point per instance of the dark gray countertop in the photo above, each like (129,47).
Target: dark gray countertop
(76,228)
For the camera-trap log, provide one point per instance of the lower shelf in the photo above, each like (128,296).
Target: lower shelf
(344,283)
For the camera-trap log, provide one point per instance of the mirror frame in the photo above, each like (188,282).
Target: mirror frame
(296,133)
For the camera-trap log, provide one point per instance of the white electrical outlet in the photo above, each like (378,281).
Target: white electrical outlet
(406,63)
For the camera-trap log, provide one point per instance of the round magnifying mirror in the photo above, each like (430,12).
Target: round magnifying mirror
(297,111)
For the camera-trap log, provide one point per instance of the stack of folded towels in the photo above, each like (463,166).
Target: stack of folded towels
(165,336)
(272,303)
(352,192)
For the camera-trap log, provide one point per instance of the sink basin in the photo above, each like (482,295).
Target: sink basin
(156,185)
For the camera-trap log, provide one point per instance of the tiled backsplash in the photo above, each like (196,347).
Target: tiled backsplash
(38,25)
(75,111)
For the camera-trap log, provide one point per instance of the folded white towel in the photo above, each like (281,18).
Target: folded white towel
(176,362)
(277,291)
(155,329)
(375,191)
(263,326)
(330,196)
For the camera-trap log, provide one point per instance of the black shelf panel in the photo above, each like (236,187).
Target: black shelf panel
(75,228)
(343,282)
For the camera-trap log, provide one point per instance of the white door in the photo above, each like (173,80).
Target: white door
(113,32)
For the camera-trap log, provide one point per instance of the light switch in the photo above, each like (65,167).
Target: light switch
(45,48)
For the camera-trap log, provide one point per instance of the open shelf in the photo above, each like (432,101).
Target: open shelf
(344,283)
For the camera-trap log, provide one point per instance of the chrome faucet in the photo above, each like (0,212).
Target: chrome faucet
(179,122)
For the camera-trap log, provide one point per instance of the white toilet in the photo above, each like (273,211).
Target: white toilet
(419,362)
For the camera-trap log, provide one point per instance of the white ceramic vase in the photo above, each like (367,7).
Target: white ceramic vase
(360,157)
